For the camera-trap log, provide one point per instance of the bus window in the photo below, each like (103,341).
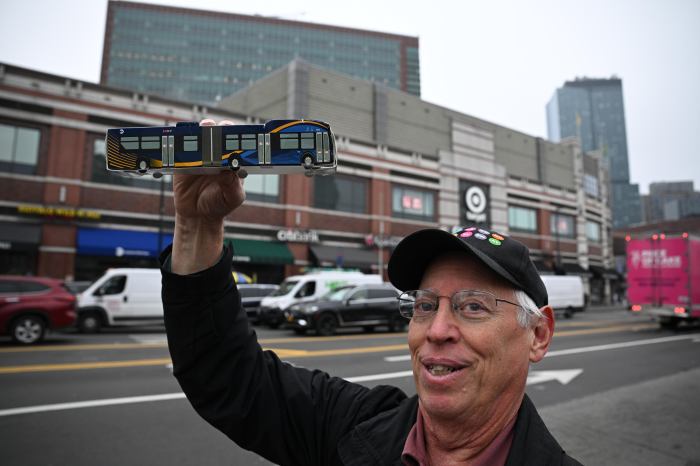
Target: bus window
(249,142)
(232,142)
(289,141)
(190,144)
(307,140)
(130,142)
(150,142)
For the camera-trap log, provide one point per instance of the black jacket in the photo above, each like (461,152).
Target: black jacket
(291,415)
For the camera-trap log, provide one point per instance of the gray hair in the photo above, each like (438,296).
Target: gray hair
(528,312)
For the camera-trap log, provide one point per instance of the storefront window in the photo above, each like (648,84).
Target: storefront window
(341,193)
(19,149)
(522,219)
(562,225)
(413,203)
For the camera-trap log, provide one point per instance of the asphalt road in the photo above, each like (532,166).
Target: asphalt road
(614,389)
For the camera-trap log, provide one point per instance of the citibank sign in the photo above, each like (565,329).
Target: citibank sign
(475,204)
(298,236)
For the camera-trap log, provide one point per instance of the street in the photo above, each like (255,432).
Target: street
(614,389)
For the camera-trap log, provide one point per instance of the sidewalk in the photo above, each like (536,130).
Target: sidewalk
(652,423)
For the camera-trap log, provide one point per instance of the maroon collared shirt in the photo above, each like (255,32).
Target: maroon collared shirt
(415,454)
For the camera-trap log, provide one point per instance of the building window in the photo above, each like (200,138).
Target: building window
(522,219)
(590,185)
(562,225)
(263,188)
(593,231)
(342,193)
(19,149)
(412,203)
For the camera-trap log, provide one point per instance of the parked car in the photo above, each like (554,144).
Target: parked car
(566,293)
(367,306)
(29,306)
(251,295)
(307,288)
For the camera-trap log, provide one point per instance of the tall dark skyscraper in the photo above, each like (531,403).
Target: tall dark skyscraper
(593,110)
(203,56)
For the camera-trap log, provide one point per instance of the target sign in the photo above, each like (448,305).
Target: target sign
(476,201)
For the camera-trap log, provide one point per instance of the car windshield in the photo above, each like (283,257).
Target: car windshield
(284,288)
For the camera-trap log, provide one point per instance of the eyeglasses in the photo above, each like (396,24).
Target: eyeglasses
(468,304)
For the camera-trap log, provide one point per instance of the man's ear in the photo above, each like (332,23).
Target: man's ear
(542,335)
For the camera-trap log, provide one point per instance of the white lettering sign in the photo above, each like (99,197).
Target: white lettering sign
(298,236)
(649,258)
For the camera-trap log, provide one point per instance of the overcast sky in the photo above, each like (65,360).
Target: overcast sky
(499,60)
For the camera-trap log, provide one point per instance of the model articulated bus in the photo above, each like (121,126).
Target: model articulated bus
(277,147)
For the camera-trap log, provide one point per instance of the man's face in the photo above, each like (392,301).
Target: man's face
(488,353)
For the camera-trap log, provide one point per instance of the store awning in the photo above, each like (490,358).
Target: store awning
(121,243)
(260,252)
(14,236)
(333,256)
(574,269)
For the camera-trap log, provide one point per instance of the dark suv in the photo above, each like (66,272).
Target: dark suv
(31,305)
(366,306)
(251,295)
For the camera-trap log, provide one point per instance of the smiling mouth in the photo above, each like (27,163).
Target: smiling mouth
(440,370)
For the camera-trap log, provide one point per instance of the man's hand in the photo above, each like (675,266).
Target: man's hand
(201,204)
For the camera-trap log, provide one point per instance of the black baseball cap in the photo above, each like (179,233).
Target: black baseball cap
(507,257)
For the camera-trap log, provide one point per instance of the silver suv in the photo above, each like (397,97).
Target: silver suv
(251,295)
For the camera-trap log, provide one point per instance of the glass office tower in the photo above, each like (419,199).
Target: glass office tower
(203,56)
(593,110)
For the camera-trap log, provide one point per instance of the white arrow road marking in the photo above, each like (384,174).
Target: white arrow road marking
(563,376)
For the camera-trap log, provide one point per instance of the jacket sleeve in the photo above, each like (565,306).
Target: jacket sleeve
(289,415)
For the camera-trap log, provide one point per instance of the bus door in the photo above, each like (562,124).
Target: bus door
(168,150)
(264,149)
(323,149)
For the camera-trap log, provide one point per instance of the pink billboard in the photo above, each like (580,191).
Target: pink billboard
(657,272)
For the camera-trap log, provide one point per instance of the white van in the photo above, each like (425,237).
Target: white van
(306,288)
(565,293)
(121,297)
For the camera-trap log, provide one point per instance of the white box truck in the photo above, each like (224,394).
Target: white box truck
(566,293)
(121,297)
(306,288)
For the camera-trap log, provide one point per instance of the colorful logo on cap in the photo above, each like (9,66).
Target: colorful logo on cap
(483,235)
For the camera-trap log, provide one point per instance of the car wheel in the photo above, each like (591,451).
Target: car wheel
(326,325)
(368,329)
(27,330)
(235,164)
(90,322)
(668,323)
(300,331)
(142,165)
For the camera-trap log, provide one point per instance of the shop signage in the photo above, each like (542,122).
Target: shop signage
(382,241)
(298,236)
(121,252)
(475,207)
(64,212)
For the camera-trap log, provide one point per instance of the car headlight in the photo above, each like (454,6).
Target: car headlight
(311,309)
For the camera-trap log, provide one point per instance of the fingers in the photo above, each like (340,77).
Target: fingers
(242,174)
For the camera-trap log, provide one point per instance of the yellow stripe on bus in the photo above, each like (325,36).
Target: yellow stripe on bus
(188,164)
(287,125)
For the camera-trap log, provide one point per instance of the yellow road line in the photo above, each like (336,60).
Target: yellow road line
(83,365)
(592,331)
(95,346)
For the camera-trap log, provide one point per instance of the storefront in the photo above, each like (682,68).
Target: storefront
(100,248)
(263,261)
(19,244)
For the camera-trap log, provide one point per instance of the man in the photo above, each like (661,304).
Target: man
(479,316)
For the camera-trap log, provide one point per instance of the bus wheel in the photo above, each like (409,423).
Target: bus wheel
(307,161)
(142,165)
(235,164)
